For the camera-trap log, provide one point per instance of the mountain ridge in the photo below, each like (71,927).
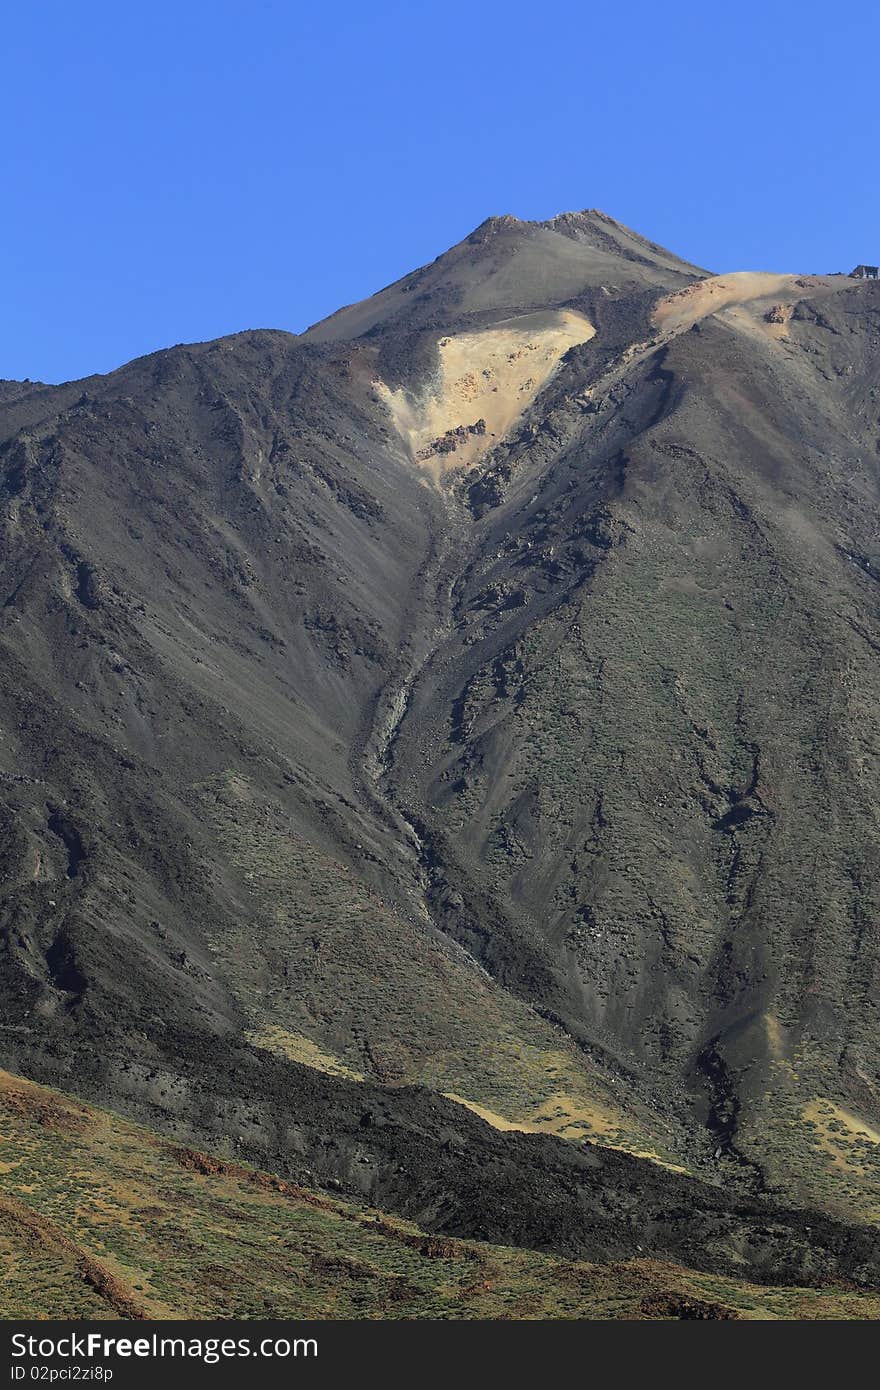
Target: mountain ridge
(343,733)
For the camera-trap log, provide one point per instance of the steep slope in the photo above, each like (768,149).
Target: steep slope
(213,569)
(648,740)
(477,691)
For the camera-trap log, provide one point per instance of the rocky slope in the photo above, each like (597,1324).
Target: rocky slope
(102,1218)
(477,691)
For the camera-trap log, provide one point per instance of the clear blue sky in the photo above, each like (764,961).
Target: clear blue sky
(173,172)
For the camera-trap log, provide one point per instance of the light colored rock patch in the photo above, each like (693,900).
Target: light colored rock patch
(686,307)
(483,383)
(758,302)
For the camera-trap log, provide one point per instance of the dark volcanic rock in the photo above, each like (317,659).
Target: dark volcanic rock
(417,1154)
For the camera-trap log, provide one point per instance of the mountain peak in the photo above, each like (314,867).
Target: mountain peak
(582,223)
(510,265)
(576,224)
(491,226)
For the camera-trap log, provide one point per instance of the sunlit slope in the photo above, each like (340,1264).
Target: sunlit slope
(330,975)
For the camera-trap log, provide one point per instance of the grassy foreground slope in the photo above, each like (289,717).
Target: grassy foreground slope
(102,1218)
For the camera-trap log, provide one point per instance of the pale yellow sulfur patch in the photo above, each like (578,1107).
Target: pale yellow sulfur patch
(564,1116)
(300,1049)
(704,297)
(483,384)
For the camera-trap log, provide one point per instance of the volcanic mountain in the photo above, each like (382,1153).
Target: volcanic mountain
(439,751)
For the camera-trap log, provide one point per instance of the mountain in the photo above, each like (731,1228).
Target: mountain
(468,704)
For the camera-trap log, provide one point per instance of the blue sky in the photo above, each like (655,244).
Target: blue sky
(173,172)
